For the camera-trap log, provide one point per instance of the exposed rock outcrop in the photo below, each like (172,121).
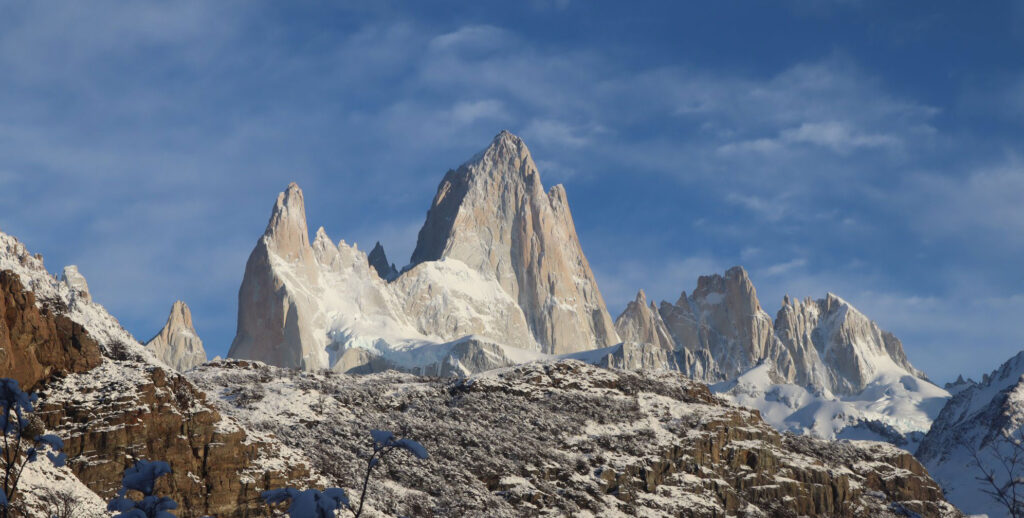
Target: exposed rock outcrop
(576,440)
(307,305)
(724,317)
(125,410)
(37,343)
(492,213)
(641,323)
(379,261)
(273,319)
(76,282)
(177,344)
(104,395)
(836,346)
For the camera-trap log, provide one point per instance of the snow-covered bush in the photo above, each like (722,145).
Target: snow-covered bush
(16,406)
(142,478)
(312,503)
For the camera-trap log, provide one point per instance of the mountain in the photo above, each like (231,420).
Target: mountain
(497,260)
(493,214)
(821,367)
(379,261)
(177,344)
(545,438)
(321,305)
(724,318)
(112,402)
(973,421)
(498,278)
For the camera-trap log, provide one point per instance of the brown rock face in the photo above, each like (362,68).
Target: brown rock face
(37,343)
(126,411)
(112,412)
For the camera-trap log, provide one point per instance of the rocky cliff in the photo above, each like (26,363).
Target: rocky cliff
(571,439)
(36,341)
(321,305)
(724,317)
(110,401)
(379,261)
(177,344)
(493,214)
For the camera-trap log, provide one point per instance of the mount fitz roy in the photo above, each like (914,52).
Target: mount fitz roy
(494,323)
(498,277)
(558,438)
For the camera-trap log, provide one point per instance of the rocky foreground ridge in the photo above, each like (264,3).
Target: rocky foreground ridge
(567,439)
(538,439)
(112,403)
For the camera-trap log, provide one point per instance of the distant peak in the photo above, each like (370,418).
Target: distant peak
(180,317)
(507,135)
(737,272)
(322,237)
(641,298)
(379,261)
(287,226)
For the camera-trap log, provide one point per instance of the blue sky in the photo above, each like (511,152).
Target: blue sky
(871,149)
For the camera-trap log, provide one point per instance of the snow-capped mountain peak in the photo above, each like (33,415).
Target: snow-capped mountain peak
(973,422)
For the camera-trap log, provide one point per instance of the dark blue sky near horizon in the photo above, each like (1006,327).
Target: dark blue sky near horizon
(871,149)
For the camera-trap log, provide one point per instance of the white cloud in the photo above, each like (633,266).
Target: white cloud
(554,133)
(984,205)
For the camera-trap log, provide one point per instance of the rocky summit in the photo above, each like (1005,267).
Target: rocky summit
(493,214)
(177,344)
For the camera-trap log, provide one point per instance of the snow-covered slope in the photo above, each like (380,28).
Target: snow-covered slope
(821,367)
(567,439)
(178,344)
(71,290)
(974,420)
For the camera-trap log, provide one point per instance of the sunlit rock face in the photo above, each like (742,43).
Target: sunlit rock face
(178,344)
(493,214)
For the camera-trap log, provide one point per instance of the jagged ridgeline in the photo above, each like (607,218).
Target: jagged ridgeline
(497,331)
(498,278)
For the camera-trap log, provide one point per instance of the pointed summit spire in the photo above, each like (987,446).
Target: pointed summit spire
(379,261)
(286,232)
(493,214)
(177,344)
